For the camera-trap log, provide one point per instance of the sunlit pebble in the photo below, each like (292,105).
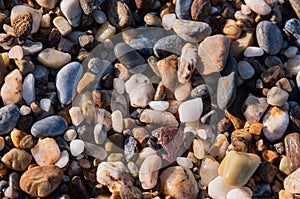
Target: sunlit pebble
(25,110)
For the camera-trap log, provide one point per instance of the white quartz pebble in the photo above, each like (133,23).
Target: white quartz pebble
(45,104)
(62,25)
(119,85)
(218,188)
(239,193)
(70,135)
(159,105)
(291,52)
(184,162)
(168,21)
(16,52)
(117,121)
(259,6)
(190,110)
(29,89)
(76,115)
(63,159)
(245,9)
(11,91)
(76,147)
(25,110)
(253,51)
(182,91)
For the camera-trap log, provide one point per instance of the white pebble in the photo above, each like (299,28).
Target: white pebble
(168,21)
(46,21)
(291,52)
(99,16)
(259,6)
(159,105)
(239,193)
(218,188)
(70,135)
(29,89)
(119,85)
(72,11)
(245,9)
(76,147)
(45,104)
(117,121)
(76,115)
(62,25)
(184,162)
(253,51)
(25,110)
(63,159)
(190,110)
(16,52)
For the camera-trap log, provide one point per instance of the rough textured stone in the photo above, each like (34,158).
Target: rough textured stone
(292,148)
(17,159)
(200,9)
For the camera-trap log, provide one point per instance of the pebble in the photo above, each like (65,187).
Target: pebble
(292,148)
(11,91)
(159,105)
(184,162)
(2,143)
(119,15)
(148,172)
(219,148)
(76,115)
(167,46)
(277,97)
(117,121)
(283,165)
(100,133)
(218,188)
(296,6)
(208,170)
(246,71)
(29,89)
(190,110)
(113,175)
(198,148)
(292,182)
(11,192)
(291,52)
(201,91)
(49,127)
(267,172)
(293,27)
(187,63)
(76,147)
(259,6)
(238,46)
(183,9)
(167,69)
(182,92)
(140,90)
(272,75)
(9,118)
(17,159)
(294,115)
(63,159)
(284,84)
(99,16)
(271,61)
(236,193)
(16,136)
(53,58)
(70,135)
(191,31)
(66,82)
(231,29)
(152,20)
(168,21)
(16,52)
(105,32)
(253,51)
(50,4)
(269,37)
(200,10)
(275,123)
(216,60)
(238,167)
(40,181)
(45,152)
(254,108)
(179,182)
(45,104)
(90,6)
(62,25)
(72,11)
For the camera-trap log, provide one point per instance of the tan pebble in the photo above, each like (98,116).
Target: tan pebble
(6,59)
(53,58)
(168,70)
(152,20)
(87,81)
(231,29)
(46,151)
(46,21)
(105,32)
(11,91)
(269,155)
(283,165)
(148,173)
(182,91)
(198,149)
(9,30)
(219,148)
(158,118)
(283,194)
(208,169)
(160,92)
(16,52)
(167,8)
(36,109)
(16,136)
(255,128)
(88,111)
(2,143)
(17,159)
(3,170)
(62,25)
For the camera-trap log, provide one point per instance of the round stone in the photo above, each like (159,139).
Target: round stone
(17,159)
(246,71)
(190,110)
(49,127)
(76,147)
(277,97)
(72,11)
(148,173)
(53,58)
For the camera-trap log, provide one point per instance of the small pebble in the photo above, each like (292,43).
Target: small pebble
(72,11)
(25,110)
(277,97)
(292,182)
(11,91)
(50,126)
(259,6)
(148,173)
(62,25)
(186,109)
(252,51)
(70,135)
(29,89)
(184,162)
(218,188)
(16,52)
(99,16)
(208,170)
(63,159)
(17,159)
(9,118)
(76,147)
(53,58)
(292,148)
(76,115)
(246,71)
(291,51)
(45,104)
(159,105)
(168,21)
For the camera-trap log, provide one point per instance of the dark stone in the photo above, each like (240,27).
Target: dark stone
(200,9)
(295,115)
(183,9)
(78,189)
(49,127)
(201,91)
(167,46)
(267,172)
(272,75)
(144,4)
(9,116)
(293,27)
(89,6)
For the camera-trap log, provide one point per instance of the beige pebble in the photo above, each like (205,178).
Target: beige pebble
(46,152)
(11,91)
(148,173)
(53,58)
(62,25)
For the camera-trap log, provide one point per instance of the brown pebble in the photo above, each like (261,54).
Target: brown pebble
(16,136)
(200,9)
(167,8)
(3,170)
(27,142)
(2,143)
(36,109)
(292,148)
(260,145)
(240,140)
(224,125)
(283,194)
(269,155)
(255,128)
(236,121)
(22,24)
(231,29)
(272,75)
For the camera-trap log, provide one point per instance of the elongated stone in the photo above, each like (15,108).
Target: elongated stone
(183,9)
(292,182)
(49,127)
(292,148)
(158,118)
(11,91)
(187,62)
(53,58)
(148,173)
(238,167)
(9,116)
(168,71)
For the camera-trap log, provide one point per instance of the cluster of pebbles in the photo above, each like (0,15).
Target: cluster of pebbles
(150,99)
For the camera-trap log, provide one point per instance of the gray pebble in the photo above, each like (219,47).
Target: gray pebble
(167,46)
(201,91)
(30,47)
(271,61)
(9,116)
(183,9)
(277,97)
(49,127)
(293,27)
(246,71)
(99,16)
(269,37)
(40,74)
(66,82)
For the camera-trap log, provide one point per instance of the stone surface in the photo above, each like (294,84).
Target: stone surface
(9,115)
(253,51)
(246,71)
(62,25)
(292,182)
(292,148)
(144,4)
(213,52)
(269,37)
(190,110)
(187,63)
(53,58)
(238,167)
(29,89)
(183,9)
(179,182)
(168,45)
(231,29)
(16,52)
(218,188)
(63,159)
(148,173)
(208,170)
(76,147)
(119,15)
(45,152)
(272,75)
(76,115)
(191,31)
(66,82)
(168,70)
(275,123)
(200,9)
(47,3)
(168,21)
(259,6)
(17,159)
(254,108)
(267,172)
(40,181)
(49,127)
(11,91)
(72,11)
(277,97)
(105,32)
(293,27)
(243,192)
(89,6)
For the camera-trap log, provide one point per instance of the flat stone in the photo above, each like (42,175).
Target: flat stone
(238,167)
(9,115)
(148,173)
(254,108)
(213,60)
(49,127)
(179,182)
(183,9)
(269,37)
(105,32)
(259,6)
(40,181)
(272,75)
(53,58)
(200,9)
(17,159)
(63,159)
(158,118)
(275,123)
(66,82)
(292,182)
(167,46)
(76,147)
(11,91)
(292,148)
(253,51)
(271,61)
(72,11)
(119,15)
(45,152)
(99,16)
(16,52)
(291,52)
(191,31)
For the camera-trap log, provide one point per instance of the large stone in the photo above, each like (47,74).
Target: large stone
(148,173)
(72,11)
(9,116)
(292,148)
(17,159)
(11,91)
(53,58)
(49,127)
(183,9)
(292,182)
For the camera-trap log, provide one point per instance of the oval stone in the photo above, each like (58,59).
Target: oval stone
(9,116)
(66,82)
(49,127)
